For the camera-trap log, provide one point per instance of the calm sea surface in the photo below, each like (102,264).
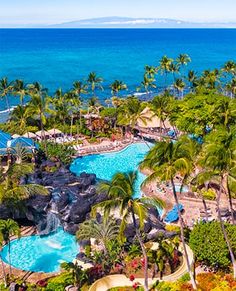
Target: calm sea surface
(57,57)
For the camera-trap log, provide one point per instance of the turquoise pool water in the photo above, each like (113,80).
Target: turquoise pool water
(106,165)
(42,254)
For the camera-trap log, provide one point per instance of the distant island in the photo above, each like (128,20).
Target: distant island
(127,22)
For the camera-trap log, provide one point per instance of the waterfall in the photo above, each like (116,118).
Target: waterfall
(52,223)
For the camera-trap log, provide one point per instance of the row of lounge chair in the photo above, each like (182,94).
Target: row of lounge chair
(100,148)
(94,149)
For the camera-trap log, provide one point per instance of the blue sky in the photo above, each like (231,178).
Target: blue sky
(57,11)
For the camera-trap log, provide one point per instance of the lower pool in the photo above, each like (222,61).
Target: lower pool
(108,164)
(42,254)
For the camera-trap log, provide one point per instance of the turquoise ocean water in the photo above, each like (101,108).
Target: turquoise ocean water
(57,57)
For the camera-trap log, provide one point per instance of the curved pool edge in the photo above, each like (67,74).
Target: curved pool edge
(18,269)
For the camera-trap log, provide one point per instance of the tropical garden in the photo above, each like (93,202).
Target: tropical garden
(201,109)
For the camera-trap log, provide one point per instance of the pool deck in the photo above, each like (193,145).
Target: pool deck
(192,206)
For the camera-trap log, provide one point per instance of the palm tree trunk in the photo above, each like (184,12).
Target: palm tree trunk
(230,202)
(182,236)
(71,124)
(9,254)
(232,257)
(143,138)
(205,208)
(143,251)
(8,105)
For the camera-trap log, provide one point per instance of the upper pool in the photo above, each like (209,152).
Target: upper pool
(108,164)
(42,254)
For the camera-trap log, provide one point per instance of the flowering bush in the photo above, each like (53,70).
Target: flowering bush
(132,277)
(95,273)
(216,282)
(42,283)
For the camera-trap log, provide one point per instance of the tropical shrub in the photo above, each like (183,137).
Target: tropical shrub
(60,152)
(209,246)
(209,194)
(60,282)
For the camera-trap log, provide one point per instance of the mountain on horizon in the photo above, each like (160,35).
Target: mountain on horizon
(127,22)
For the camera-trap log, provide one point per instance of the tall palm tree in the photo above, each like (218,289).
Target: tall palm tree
(164,66)
(20,89)
(130,113)
(9,228)
(166,160)
(94,82)
(147,83)
(39,105)
(20,114)
(174,69)
(231,87)
(230,68)
(61,106)
(5,90)
(79,88)
(179,85)
(121,195)
(117,86)
(160,105)
(150,71)
(183,59)
(2,263)
(192,79)
(218,156)
(102,232)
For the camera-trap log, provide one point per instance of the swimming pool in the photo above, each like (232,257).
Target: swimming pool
(42,254)
(108,164)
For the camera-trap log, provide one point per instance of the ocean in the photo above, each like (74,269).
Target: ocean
(58,57)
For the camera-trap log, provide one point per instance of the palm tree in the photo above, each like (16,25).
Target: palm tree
(117,86)
(94,82)
(147,83)
(79,88)
(11,191)
(174,69)
(211,79)
(219,156)
(179,85)
(166,160)
(150,71)
(131,113)
(230,68)
(20,89)
(121,195)
(160,105)
(2,263)
(231,87)
(164,66)
(192,78)
(9,228)
(39,107)
(20,115)
(5,90)
(183,59)
(102,232)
